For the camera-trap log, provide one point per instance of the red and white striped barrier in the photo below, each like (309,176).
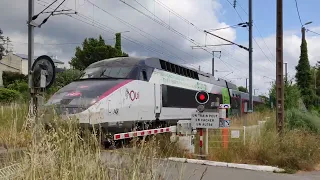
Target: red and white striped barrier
(143,133)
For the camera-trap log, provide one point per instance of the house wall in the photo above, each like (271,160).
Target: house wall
(20,64)
(24,67)
(58,65)
(12,61)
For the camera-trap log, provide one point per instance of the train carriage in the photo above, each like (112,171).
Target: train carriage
(130,93)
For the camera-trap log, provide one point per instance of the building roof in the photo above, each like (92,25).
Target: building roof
(25,57)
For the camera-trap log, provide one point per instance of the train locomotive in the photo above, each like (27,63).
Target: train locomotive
(126,94)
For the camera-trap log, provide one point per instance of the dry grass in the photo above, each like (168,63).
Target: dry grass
(252,118)
(294,150)
(61,153)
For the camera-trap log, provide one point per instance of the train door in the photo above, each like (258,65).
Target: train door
(157,99)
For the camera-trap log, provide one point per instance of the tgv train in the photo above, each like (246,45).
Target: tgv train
(126,93)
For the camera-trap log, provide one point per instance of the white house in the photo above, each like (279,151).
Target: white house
(19,63)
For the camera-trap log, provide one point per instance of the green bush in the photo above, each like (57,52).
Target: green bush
(11,77)
(296,119)
(21,87)
(9,95)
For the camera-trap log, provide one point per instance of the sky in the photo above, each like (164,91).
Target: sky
(168,29)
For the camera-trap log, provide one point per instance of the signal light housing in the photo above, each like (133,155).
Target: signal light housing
(202,97)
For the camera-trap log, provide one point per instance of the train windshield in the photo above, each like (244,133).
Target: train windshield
(82,93)
(108,69)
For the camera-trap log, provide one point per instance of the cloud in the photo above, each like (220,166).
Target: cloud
(61,34)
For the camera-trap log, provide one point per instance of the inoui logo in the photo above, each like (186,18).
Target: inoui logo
(170,78)
(226,106)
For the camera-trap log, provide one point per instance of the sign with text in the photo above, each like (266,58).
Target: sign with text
(205,120)
(235,134)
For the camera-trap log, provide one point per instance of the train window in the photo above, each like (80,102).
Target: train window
(164,95)
(143,75)
(168,67)
(91,72)
(176,97)
(117,72)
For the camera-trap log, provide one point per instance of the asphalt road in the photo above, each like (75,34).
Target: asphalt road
(195,172)
(170,170)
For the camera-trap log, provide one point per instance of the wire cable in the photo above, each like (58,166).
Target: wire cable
(139,30)
(308,30)
(252,37)
(103,27)
(170,10)
(257,30)
(298,12)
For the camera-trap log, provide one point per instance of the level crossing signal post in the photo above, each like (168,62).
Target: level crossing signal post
(214,117)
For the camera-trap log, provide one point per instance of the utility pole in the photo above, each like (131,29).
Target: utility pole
(279,69)
(30,54)
(286,71)
(213,61)
(250,109)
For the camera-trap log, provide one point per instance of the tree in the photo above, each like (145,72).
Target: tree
(63,78)
(118,41)
(303,75)
(242,89)
(93,50)
(291,95)
(2,41)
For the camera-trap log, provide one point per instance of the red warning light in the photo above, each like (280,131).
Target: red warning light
(202,97)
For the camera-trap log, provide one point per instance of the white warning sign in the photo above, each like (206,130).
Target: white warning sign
(205,120)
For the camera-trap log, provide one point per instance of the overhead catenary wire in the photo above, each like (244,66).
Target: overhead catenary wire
(168,26)
(158,52)
(232,26)
(139,30)
(164,24)
(252,37)
(256,29)
(298,12)
(200,30)
(308,30)
(103,27)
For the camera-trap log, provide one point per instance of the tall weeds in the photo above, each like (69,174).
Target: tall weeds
(63,152)
(295,149)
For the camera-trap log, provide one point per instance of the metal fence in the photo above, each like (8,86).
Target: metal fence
(10,172)
(232,137)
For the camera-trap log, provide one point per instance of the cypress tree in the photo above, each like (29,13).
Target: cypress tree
(303,75)
(118,42)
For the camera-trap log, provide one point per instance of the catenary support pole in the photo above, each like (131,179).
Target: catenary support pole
(279,69)
(213,61)
(250,57)
(30,54)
